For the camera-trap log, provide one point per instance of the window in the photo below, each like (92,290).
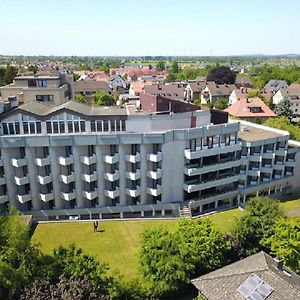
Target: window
(44,98)
(42,83)
(31,82)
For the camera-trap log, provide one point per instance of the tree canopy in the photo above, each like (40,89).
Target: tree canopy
(160,65)
(221,75)
(283,109)
(103,99)
(79,98)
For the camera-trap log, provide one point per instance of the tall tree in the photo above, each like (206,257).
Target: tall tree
(175,67)
(283,109)
(10,73)
(221,75)
(257,224)
(285,242)
(160,65)
(103,99)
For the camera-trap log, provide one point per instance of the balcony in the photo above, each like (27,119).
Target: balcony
(133,158)
(111,176)
(191,171)
(193,186)
(19,162)
(67,178)
(24,198)
(278,166)
(65,161)
(255,157)
(155,174)
(253,172)
(133,192)
(266,179)
(44,179)
(91,195)
(68,196)
(112,194)
(155,157)
(280,151)
(3,199)
(21,180)
(268,155)
(133,175)
(253,182)
(290,163)
(198,152)
(111,159)
(46,197)
(41,162)
(2,180)
(89,177)
(266,169)
(154,191)
(88,160)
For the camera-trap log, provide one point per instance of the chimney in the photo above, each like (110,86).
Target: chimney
(279,263)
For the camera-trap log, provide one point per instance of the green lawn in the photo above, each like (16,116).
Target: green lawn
(118,241)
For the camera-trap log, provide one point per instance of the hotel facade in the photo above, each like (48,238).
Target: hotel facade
(73,160)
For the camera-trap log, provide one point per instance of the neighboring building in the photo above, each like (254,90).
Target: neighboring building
(174,91)
(243,81)
(89,88)
(275,85)
(250,109)
(52,89)
(238,94)
(292,93)
(108,162)
(137,88)
(85,77)
(157,103)
(213,92)
(256,277)
(116,81)
(194,89)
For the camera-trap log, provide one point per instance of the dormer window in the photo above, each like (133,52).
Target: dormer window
(255,109)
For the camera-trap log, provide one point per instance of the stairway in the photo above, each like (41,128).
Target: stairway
(185,212)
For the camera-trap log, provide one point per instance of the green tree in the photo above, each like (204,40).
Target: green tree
(285,242)
(160,65)
(33,68)
(174,67)
(283,109)
(76,76)
(10,73)
(103,99)
(79,98)
(221,103)
(257,224)
(285,124)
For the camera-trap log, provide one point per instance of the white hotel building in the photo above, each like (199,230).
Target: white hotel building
(109,162)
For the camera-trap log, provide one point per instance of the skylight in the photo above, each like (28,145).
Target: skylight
(254,288)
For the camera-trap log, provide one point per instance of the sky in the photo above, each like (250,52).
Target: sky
(152,27)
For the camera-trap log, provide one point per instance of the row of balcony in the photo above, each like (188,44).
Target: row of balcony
(87,160)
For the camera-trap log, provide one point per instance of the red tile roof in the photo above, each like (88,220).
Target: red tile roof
(242,108)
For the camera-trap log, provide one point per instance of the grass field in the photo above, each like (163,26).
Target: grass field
(118,241)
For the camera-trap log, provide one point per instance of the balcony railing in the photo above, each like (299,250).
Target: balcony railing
(112,193)
(133,158)
(155,174)
(154,191)
(88,160)
(46,196)
(68,196)
(89,177)
(90,195)
(111,159)
(67,178)
(24,198)
(155,157)
(41,162)
(19,162)
(21,180)
(65,161)
(133,192)
(44,179)
(112,176)
(133,175)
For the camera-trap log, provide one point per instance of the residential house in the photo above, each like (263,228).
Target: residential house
(54,88)
(193,90)
(214,91)
(256,277)
(170,90)
(242,92)
(243,81)
(88,88)
(275,85)
(137,87)
(292,93)
(116,81)
(250,109)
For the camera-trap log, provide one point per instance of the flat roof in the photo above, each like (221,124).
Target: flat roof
(250,133)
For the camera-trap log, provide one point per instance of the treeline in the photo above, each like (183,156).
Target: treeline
(261,75)
(168,259)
